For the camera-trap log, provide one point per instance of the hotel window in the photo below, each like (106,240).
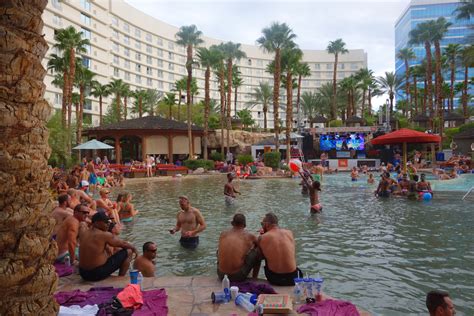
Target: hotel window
(115,47)
(88,49)
(340,66)
(149,60)
(170,86)
(57,20)
(115,34)
(149,71)
(170,56)
(148,37)
(138,79)
(127,76)
(138,33)
(126,39)
(259,62)
(317,75)
(160,84)
(86,34)
(340,75)
(126,64)
(171,76)
(160,53)
(138,56)
(159,41)
(160,74)
(171,66)
(56,4)
(354,66)
(305,83)
(149,49)
(329,66)
(57,98)
(116,60)
(85,19)
(114,21)
(160,63)
(317,66)
(126,51)
(86,5)
(87,104)
(86,62)
(126,27)
(138,68)
(170,45)
(249,62)
(149,82)
(138,45)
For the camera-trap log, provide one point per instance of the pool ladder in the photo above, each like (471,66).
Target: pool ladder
(467,193)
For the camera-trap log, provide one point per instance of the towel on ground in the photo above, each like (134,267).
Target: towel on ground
(253,287)
(63,270)
(76,310)
(329,308)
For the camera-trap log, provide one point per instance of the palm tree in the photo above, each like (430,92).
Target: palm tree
(309,103)
(117,87)
(388,85)
(220,74)
(139,96)
(179,86)
(126,93)
(169,100)
(151,99)
(465,10)
(237,82)
(452,52)
(84,80)
(100,91)
(208,59)
(262,95)
(366,82)
(189,37)
(302,70)
(60,65)
(335,47)
(417,72)
(406,54)
(28,277)
(467,62)
(349,85)
(423,34)
(70,41)
(231,52)
(275,38)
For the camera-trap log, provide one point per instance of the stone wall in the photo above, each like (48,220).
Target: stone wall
(242,140)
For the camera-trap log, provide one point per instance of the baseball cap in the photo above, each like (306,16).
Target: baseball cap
(100,217)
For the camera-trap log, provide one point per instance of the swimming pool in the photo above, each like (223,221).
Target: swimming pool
(381,254)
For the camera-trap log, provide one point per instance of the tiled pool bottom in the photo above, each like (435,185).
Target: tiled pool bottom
(186,295)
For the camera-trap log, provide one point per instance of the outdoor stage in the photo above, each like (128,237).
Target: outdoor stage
(346,164)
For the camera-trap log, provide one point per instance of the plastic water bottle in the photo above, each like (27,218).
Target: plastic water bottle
(308,285)
(140,279)
(225,283)
(319,285)
(297,291)
(242,300)
(67,261)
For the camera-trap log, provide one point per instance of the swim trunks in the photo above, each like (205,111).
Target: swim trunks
(354,179)
(384,194)
(189,242)
(250,260)
(282,279)
(102,272)
(316,208)
(229,200)
(92,179)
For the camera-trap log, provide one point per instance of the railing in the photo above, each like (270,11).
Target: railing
(467,193)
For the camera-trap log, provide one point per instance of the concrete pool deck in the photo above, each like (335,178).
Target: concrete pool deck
(186,295)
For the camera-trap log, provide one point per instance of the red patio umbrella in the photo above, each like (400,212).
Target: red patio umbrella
(404,136)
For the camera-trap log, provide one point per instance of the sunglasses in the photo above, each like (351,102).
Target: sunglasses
(152,250)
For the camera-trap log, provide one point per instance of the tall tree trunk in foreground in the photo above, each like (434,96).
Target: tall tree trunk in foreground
(27,275)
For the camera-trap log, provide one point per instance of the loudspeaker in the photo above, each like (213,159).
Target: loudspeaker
(308,142)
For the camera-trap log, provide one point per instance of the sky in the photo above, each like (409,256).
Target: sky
(367,25)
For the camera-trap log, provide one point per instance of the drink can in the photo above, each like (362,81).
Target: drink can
(219,297)
(134,276)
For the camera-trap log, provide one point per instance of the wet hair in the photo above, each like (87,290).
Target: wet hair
(239,220)
(271,218)
(317,185)
(230,175)
(147,245)
(78,207)
(415,178)
(435,299)
(63,198)
(119,197)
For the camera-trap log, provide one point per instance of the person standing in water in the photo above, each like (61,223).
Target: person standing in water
(190,221)
(313,187)
(229,190)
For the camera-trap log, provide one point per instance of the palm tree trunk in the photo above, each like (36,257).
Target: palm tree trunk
(289,114)
(364,91)
(140,107)
(119,109)
(64,121)
(370,101)
(276,98)
(464,93)
(179,105)
(425,98)
(125,107)
(28,278)
(229,97)
(100,110)
(439,80)
(298,96)
(334,88)
(207,100)
(222,92)
(79,115)
(429,74)
(452,66)
(415,90)
(348,104)
(235,101)
(188,98)
(407,87)
(265,109)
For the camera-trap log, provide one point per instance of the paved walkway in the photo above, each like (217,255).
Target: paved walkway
(186,295)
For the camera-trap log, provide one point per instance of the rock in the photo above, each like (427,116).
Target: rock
(199,170)
(243,140)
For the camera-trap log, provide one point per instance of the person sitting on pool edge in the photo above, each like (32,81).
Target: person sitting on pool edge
(439,304)
(277,246)
(237,253)
(190,221)
(146,262)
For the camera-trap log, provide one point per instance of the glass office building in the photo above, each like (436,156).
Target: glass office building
(419,11)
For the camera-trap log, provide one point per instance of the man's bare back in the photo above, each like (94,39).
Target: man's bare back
(278,248)
(93,250)
(234,244)
(60,214)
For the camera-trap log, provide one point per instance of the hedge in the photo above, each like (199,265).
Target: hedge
(244,159)
(272,159)
(199,163)
(217,156)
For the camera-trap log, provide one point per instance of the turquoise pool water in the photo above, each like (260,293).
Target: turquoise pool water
(383,255)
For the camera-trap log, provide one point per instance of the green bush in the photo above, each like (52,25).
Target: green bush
(335,123)
(217,156)
(465,127)
(199,163)
(244,159)
(272,159)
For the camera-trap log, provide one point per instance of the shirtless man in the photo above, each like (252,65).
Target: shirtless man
(354,174)
(78,197)
(237,252)
(61,212)
(319,170)
(277,246)
(405,184)
(146,262)
(423,185)
(229,190)
(383,189)
(190,221)
(69,232)
(95,262)
(105,203)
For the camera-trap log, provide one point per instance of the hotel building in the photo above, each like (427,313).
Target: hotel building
(129,44)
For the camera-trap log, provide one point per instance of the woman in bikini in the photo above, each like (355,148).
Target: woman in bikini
(126,209)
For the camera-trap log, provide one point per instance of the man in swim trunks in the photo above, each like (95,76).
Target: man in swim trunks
(405,184)
(190,221)
(237,252)
(354,174)
(277,246)
(95,261)
(383,190)
(229,190)
(69,232)
(146,262)
(423,185)
(61,212)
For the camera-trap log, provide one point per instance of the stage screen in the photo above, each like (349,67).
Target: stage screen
(342,142)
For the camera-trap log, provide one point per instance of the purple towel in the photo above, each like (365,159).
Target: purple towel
(329,308)
(253,287)
(63,270)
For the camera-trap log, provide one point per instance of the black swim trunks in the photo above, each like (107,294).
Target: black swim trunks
(282,279)
(104,271)
(251,259)
(189,242)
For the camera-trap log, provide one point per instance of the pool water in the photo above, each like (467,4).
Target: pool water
(384,255)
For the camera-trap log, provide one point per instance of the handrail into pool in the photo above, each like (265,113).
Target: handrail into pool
(465,195)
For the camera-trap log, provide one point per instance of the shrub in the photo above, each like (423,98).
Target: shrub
(335,123)
(466,126)
(217,156)
(272,159)
(244,159)
(199,163)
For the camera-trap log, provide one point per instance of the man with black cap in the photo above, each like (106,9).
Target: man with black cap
(95,260)
(190,221)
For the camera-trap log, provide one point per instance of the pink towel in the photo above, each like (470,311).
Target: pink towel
(329,308)
(63,270)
